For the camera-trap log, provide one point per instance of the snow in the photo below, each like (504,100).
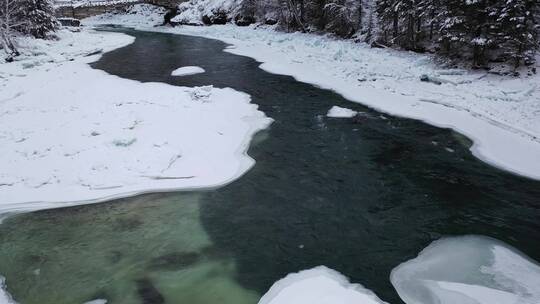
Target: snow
(339,112)
(149,14)
(192,11)
(501,114)
(319,285)
(70,134)
(468,270)
(187,70)
(5,297)
(86,3)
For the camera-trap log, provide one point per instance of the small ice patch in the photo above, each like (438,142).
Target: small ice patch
(468,270)
(98,301)
(319,285)
(339,112)
(187,70)
(5,297)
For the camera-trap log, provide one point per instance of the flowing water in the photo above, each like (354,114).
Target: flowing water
(357,196)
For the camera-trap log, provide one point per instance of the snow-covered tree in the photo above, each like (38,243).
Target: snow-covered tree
(9,21)
(38,17)
(388,19)
(342,17)
(476,30)
(517,30)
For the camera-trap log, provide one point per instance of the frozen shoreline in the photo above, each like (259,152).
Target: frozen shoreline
(501,115)
(73,135)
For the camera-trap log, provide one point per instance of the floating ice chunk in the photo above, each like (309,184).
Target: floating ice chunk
(468,270)
(5,297)
(187,70)
(319,285)
(339,112)
(97,301)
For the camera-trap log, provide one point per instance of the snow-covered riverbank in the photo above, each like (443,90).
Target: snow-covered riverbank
(70,134)
(500,113)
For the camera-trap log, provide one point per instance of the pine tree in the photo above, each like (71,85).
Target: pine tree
(342,17)
(518,34)
(38,16)
(388,20)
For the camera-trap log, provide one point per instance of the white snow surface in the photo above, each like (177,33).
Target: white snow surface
(501,114)
(133,16)
(70,134)
(339,112)
(192,11)
(319,285)
(468,270)
(187,70)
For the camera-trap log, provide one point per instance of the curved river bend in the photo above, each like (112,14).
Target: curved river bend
(359,197)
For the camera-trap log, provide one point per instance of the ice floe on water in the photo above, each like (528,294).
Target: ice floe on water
(187,70)
(98,301)
(5,297)
(339,112)
(468,270)
(458,270)
(319,285)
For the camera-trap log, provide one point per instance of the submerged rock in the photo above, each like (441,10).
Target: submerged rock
(148,292)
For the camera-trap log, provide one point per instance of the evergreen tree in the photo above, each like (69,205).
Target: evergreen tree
(517,30)
(388,20)
(38,17)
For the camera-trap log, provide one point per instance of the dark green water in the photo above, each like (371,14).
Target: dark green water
(359,197)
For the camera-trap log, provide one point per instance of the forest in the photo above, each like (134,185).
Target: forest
(477,31)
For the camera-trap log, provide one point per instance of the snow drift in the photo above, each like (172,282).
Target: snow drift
(468,270)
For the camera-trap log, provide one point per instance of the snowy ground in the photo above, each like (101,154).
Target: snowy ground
(500,113)
(70,134)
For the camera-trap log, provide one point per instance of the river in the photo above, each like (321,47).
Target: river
(358,196)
